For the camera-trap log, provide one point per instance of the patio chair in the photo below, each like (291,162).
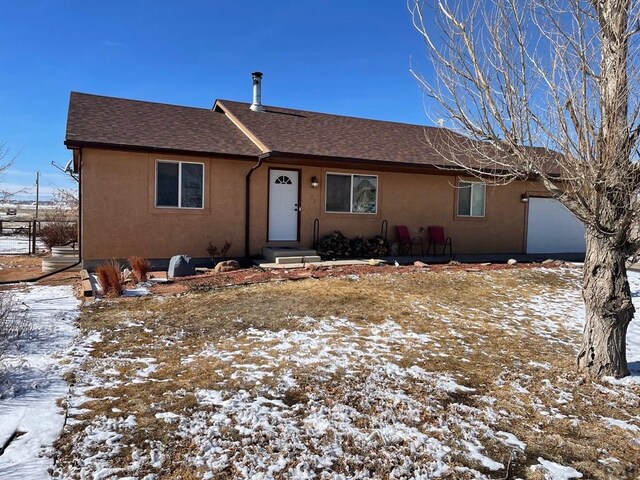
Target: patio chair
(405,240)
(436,237)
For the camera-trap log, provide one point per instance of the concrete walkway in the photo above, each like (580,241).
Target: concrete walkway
(436,259)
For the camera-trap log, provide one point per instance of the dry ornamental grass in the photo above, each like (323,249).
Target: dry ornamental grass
(110,278)
(140,268)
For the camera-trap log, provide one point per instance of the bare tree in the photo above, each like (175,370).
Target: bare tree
(6,161)
(67,199)
(548,90)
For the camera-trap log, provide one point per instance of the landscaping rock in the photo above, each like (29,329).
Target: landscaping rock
(420,264)
(512,261)
(548,261)
(226,266)
(181,266)
(127,275)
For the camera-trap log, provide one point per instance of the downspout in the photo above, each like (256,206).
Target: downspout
(80,204)
(247,203)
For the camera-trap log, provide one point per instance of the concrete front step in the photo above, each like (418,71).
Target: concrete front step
(272,253)
(300,259)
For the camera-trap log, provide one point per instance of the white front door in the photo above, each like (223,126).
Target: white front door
(551,228)
(283,205)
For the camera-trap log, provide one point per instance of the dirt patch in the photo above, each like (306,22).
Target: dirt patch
(14,268)
(20,268)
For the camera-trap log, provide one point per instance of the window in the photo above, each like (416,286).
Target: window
(471,196)
(283,180)
(348,193)
(179,184)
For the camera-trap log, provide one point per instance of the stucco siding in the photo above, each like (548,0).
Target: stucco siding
(120,219)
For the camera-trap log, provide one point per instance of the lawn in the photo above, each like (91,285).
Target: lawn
(448,374)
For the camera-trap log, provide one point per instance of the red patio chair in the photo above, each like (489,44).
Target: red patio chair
(406,241)
(436,237)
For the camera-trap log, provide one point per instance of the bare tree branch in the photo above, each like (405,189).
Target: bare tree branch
(548,90)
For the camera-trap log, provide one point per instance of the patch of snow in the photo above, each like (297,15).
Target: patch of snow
(555,471)
(612,422)
(543,365)
(136,292)
(19,244)
(32,381)
(511,440)
(168,417)
(474,450)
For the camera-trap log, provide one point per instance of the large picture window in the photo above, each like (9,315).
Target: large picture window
(471,199)
(351,193)
(179,184)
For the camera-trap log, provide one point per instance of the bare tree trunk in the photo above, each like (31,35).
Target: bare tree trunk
(515,75)
(608,309)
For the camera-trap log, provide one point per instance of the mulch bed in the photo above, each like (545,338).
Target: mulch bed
(248,276)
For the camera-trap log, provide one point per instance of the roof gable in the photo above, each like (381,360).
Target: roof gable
(319,134)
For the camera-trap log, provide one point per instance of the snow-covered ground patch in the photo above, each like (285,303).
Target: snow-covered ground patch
(18,244)
(31,381)
(554,471)
(452,375)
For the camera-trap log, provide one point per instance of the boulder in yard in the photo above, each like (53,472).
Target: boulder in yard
(226,266)
(512,261)
(181,266)
(420,264)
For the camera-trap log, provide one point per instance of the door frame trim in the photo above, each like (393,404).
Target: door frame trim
(269,201)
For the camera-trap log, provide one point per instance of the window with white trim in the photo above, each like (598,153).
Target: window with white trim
(179,184)
(471,199)
(351,193)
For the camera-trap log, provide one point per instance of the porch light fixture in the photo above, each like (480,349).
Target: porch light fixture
(315,183)
(524,198)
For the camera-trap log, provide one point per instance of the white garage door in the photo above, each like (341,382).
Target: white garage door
(552,228)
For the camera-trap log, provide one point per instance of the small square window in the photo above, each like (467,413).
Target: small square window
(471,199)
(179,184)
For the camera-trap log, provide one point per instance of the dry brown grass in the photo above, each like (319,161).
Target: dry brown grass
(490,352)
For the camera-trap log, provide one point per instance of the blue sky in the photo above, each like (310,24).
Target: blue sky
(349,58)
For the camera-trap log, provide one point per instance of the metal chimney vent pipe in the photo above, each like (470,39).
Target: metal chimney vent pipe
(256,106)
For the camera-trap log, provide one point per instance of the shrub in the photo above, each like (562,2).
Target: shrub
(14,325)
(140,267)
(110,278)
(58,232)
(212,250)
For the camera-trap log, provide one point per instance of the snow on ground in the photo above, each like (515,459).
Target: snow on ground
(31,381)
(18,244)
(554,471)
(331,395)
(318,427)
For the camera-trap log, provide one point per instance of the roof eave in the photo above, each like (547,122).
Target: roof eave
(371,162)
(73,144)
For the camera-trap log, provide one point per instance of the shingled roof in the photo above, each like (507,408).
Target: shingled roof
(117,122)
(299,132)
(231,128)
